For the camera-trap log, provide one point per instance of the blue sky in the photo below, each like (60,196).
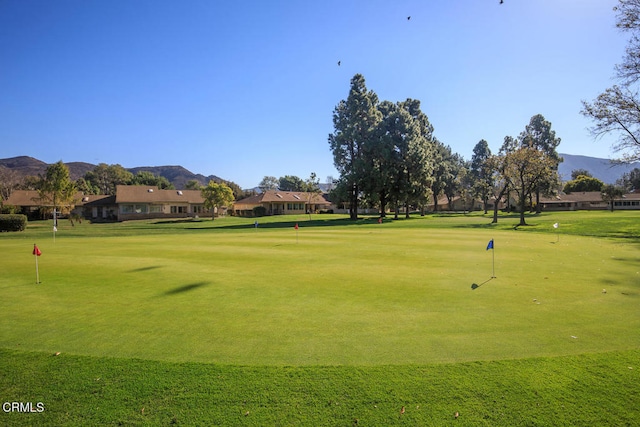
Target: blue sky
(247,89)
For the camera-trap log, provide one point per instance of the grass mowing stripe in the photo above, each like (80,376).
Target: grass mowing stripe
(598,389)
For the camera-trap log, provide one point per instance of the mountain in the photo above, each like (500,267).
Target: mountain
(602,169)
(177,175)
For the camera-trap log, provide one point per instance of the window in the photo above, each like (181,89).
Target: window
(129,209)
(178,209)
(155,209)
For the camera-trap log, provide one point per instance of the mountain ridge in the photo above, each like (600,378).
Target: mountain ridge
(176,175)
(603,169)
(600,168)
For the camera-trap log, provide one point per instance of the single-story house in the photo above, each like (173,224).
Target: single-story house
(129,202)
(588,200)
(146,202)
(29,203)
(281,203)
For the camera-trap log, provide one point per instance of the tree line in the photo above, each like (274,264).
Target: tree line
(387,156)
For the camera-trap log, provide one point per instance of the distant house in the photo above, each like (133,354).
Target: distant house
(627,201)
(145,202)
(588,200)
(130,202)
(29,203)
(281,203)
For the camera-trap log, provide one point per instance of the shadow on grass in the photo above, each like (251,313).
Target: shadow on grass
(339,222)
(138,270)
(476,286)
(184,288)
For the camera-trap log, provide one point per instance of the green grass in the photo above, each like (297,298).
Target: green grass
(599,389)
(363,312)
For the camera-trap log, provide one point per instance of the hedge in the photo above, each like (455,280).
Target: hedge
(13,222)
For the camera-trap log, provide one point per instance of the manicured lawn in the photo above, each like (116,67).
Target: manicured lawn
(375,302)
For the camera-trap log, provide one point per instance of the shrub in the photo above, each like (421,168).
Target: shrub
(8,209)
(259,211)
(13,222)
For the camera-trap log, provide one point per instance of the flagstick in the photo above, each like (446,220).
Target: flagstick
(37,272)
(493,263)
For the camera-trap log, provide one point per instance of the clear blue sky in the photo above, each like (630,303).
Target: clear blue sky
(247,89)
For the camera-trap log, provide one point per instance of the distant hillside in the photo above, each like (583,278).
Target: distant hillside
(177,175)
(602,169)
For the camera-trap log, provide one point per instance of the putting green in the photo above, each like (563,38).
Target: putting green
(358,295)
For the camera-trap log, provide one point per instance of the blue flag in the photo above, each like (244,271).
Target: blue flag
(490,245)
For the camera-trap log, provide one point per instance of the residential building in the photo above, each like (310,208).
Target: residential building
(274,202)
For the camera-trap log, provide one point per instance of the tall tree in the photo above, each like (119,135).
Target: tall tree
(610,193)
(501,181)
(216,195)
(481,172)
(107,177)
(268,183)
(57,189)
(539,135)
(443,171)
(291,183)
(238,192)
(630,181)
(575,173)
(616,111)
(419,156)
(525,167)
(354,121)
(453,183)
(151,179)
(9,181)
(377,159)
(312,187)
(192,184)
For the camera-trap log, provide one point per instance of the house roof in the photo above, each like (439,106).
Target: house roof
(272,196)
(149,194)
(99,200)
(583,196)
(32,198)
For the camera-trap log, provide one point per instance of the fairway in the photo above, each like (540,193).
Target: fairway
(334,293)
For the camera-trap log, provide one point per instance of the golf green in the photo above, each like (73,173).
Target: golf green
(364,294)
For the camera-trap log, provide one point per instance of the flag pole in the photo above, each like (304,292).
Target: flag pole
(493,262)
(491,246)
(35,254)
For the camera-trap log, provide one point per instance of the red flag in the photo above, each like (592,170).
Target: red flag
(296,226)
(36,251)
